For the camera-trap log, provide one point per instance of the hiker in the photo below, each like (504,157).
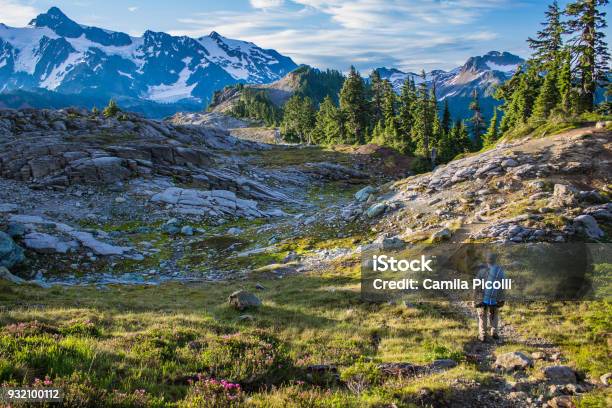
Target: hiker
(488,301)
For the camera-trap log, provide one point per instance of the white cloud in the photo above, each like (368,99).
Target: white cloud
(132,9)
(264,4)
(15,13)
(368,33)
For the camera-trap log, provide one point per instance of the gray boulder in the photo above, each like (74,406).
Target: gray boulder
(393,243)
(376,210)
(441,235)
(187,230)
(560,374)
(564,195)
(241,300)
(10,253)
(363,194)
(444,364)
(515,360)
(45,243)
(588,225)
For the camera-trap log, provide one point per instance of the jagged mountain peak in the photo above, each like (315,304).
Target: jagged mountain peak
(58,22)
(55,53)
(494,61)
(481,73)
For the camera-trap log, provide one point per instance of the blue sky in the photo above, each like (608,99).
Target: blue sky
(406,34)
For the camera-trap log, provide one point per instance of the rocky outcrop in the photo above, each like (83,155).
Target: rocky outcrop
(90,148)
(64,239)
(211,203)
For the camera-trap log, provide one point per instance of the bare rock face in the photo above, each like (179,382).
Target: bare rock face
(213,203)
(65,147)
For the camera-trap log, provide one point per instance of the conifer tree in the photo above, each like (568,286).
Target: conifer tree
(392,132)
(376,91)
(456,141)
(298,119)
(111,109)
(477,121)
(422,126)
(462,138)
(548,97)
(519,95)
(328,123)
(446,118)
(354,107)
(548,42)
(492,134)
(407,101)
(564,83)
(586,22)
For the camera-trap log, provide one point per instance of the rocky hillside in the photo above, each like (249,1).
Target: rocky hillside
(554,189)
(54,53)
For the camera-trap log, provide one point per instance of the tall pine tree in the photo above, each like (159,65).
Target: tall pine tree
(376,91)
(565,84)
(492,134)
(447,120)
(353,105)
(586,22)
(477,121)
(548,42)
(407,102)
(298,119)
(328,124)
(423,121)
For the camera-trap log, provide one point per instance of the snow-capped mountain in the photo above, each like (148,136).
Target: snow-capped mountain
(56,54)
(482,73)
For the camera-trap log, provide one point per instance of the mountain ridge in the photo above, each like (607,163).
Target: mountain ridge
(59,55)
(481,73)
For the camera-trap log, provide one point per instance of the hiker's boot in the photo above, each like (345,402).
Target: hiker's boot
(482,338)
(494,335)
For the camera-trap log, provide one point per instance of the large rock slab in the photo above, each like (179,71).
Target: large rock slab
(83,237)
(564,196)
(46,243)
(212,203)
